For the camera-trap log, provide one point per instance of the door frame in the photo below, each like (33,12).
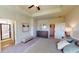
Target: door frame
(53,30)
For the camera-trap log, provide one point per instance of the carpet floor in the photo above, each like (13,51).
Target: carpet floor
(38,45)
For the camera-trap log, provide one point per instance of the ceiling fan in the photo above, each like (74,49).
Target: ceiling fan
(38,8)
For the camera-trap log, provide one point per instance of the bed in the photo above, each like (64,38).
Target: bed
(71,48)
(68,45)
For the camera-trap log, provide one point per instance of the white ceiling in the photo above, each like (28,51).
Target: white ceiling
(34,9)
(46,11)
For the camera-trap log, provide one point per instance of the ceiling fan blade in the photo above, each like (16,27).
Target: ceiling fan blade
(38,8)
(31,6)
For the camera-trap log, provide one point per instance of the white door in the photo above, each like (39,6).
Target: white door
(59,30)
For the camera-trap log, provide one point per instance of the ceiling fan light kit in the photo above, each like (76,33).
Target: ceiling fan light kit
(38,8)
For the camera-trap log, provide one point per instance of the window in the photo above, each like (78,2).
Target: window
(5,31)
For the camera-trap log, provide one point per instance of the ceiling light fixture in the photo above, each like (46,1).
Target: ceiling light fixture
(38,8)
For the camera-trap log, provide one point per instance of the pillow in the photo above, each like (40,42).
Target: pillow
(62,44)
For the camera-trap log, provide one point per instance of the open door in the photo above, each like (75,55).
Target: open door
(52,30)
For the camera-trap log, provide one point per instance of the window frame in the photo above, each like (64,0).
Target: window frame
(1,31)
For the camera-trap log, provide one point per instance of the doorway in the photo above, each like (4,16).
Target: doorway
(52,30)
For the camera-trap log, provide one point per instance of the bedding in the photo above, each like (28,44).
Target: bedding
(62,44)
(72,48)
(69,39)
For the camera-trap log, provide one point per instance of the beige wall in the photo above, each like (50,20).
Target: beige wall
(72,20)
(33,27)
(17,19)
(41,22)
(19,34)
(56,20)
(48,22)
